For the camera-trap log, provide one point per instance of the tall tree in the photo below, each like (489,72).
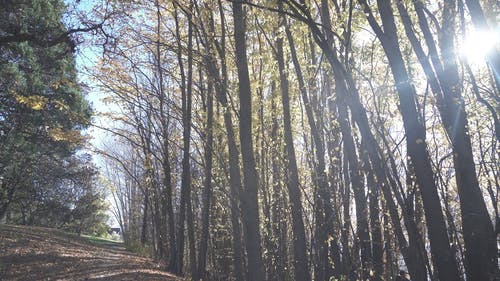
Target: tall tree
(207,191)
(249,202)
(185,200)
(293,184)
(43,109)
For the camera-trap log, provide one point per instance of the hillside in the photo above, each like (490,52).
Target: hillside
(35,253)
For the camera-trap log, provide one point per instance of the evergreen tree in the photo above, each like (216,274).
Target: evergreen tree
(42,108)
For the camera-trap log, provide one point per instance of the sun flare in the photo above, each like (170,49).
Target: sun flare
(478,44)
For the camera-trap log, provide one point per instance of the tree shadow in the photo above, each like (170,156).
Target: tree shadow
(45,254)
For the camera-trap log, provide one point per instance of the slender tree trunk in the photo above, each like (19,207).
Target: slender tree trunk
(185,209)
(179,258)
(375,222)
(389,250)
(234,163)
(356,180)
(299,236)
(347,263)
(207,192)
(358,189)
(144,229)
(168,210)
(321,180)
(249,201)
(335,168)
(277,210)
(186,152)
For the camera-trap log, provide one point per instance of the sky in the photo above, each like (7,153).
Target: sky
(87,57)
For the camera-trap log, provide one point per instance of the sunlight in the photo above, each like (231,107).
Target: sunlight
(478,44)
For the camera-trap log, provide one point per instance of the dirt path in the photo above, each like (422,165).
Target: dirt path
(34,253)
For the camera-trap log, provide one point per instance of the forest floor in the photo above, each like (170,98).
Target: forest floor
(36,253)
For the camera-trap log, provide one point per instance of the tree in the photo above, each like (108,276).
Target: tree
(249,201)
(293,183)
(43,108)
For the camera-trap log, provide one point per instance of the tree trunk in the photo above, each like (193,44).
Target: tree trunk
(375,222)
(356,181)
(179,258)
(166,213)
(207,192)
(249,203)
(144,229)
(187,154)
(299,236)
(185,200)
(321,180)
(234,162)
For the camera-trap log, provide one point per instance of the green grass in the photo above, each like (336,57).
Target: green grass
(100,241)
(89,239)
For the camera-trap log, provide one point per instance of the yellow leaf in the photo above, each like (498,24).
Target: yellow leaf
(70,136)
(34,102)
(61,105)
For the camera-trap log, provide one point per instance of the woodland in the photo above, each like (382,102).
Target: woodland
(260,140)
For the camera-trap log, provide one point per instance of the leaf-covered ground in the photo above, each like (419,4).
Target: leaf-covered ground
(35,253)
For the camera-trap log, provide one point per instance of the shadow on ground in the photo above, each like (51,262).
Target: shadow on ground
(34,253)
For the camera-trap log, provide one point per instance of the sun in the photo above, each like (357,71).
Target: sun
(478,44)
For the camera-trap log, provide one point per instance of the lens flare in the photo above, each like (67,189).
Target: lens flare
(478,44)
